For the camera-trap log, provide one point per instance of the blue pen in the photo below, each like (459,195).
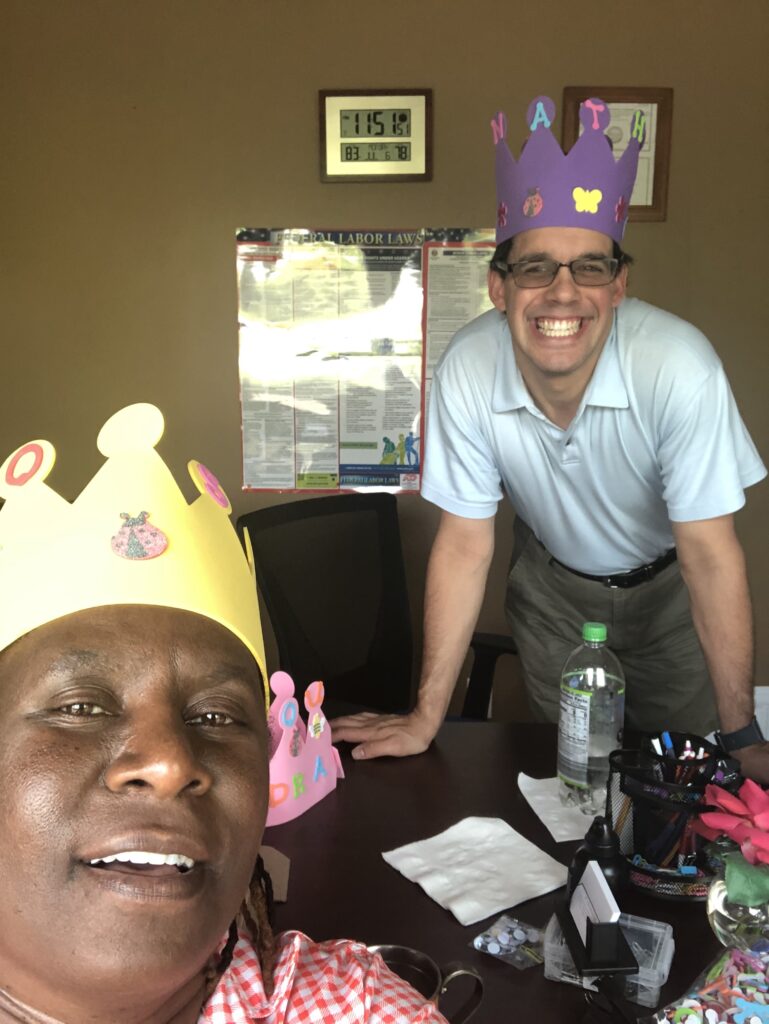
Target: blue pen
(669,748)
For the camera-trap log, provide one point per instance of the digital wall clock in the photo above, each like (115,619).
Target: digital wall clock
(376,135)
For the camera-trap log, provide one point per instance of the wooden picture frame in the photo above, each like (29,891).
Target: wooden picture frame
(386,134)
(654,161)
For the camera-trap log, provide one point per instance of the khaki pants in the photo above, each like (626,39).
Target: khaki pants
(649,628)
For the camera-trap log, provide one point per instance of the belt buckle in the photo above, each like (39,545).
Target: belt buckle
(626,580)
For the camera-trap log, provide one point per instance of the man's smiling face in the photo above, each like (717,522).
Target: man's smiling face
(559,331)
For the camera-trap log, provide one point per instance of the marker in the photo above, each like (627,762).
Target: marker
(657,746)
(669,748)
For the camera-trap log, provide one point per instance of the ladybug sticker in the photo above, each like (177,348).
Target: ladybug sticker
(137,540)
(532,204)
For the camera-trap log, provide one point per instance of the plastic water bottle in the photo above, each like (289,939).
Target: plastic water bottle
(590,722)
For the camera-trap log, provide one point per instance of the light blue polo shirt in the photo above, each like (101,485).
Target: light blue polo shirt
(657,437)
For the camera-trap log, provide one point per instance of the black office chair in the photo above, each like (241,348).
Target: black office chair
(331,576)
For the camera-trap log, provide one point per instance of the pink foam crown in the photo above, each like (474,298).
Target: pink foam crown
(304,766)
(546,187)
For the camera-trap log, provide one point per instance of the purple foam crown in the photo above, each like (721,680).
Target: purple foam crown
(586,188)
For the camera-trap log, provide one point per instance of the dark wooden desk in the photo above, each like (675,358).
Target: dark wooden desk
(341,887)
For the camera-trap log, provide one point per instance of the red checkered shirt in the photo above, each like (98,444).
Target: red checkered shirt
(315,983)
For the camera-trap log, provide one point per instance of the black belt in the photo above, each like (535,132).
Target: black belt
(623,580)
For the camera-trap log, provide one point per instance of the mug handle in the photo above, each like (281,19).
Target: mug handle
(453,970)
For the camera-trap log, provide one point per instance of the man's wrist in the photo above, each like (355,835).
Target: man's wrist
(747,736)
(429,713)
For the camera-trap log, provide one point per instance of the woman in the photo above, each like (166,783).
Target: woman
(133,753)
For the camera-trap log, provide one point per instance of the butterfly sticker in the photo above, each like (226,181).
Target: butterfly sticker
(587,201)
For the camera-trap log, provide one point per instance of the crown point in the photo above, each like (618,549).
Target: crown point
(207,483)
(638,128)
(32,461)
(282,685)
(595,115)
(541,113)
(313,696)
(131,429)
(498,127)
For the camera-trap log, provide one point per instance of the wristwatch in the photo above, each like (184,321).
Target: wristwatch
(744,737)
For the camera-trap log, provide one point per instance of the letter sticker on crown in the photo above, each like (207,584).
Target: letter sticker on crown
(547,188)
(304,766)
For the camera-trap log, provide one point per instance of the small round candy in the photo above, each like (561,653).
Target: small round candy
(493,947)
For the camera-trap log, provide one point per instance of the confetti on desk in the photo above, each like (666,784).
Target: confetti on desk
(733,990)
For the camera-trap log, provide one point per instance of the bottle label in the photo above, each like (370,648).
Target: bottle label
(574,736)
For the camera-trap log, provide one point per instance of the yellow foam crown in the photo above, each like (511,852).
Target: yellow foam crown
(131,537)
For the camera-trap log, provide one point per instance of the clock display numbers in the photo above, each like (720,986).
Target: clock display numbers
(366,151)
(367,123)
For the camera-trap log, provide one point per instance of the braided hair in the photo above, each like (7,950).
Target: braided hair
(256,916)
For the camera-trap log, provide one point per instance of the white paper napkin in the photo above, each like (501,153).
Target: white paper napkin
(563,823)
(478,867)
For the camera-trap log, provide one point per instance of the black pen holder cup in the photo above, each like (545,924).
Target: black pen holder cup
(653,802)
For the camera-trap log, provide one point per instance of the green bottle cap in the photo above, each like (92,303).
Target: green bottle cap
(594,632)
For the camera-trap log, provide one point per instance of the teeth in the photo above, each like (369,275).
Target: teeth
(177,860)
(558,328)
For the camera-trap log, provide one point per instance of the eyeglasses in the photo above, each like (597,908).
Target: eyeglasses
(587,271)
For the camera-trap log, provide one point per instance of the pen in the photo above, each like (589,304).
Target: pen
(657,746)
(669,748)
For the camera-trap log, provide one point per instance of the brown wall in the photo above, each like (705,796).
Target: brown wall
(136,136)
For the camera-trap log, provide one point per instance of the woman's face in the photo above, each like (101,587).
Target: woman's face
(124,730)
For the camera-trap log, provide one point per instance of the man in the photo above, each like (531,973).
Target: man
(134,758)
(611,426)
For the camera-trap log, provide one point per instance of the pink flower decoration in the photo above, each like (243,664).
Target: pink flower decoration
(743,818)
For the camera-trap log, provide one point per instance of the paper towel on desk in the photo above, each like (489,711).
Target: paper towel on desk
(478,867)
(563,823)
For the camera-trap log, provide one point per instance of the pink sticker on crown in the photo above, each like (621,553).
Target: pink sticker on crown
(206,483)
(594,115)
(16,476)
(136,540)
(502,214)
(532,204)
(620,210)
(498,127)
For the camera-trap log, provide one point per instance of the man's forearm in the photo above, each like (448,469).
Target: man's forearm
(456,582)
(723,617)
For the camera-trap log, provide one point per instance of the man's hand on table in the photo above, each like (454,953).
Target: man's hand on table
(383,735)
(754,762)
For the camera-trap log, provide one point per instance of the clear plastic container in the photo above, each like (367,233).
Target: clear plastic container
(590,721)
(651,943)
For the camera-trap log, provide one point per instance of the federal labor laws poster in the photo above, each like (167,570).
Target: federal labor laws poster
(339,334)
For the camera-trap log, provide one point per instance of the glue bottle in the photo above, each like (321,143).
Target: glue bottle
(592,714)
(601,843)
